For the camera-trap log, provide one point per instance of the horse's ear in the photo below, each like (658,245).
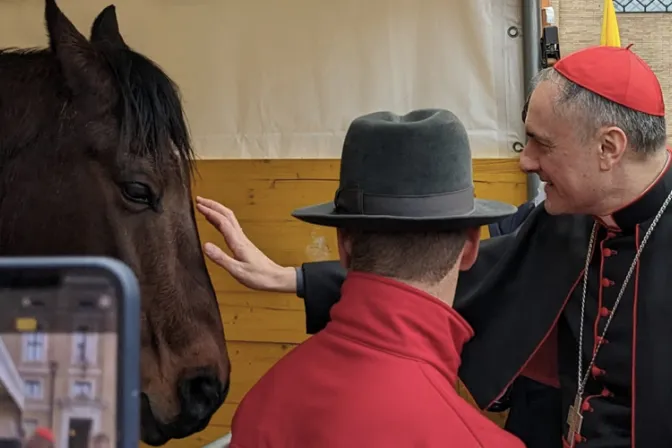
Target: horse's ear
(84,70)
(105,29)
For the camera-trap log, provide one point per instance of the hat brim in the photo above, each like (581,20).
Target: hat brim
(485,212)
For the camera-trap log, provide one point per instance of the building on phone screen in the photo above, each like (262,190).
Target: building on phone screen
(63,382)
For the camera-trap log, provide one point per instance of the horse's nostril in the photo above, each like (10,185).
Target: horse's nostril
(201,396)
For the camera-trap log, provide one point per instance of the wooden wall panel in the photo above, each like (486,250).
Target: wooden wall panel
(262,327)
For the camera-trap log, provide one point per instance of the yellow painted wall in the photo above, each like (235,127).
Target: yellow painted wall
(261,327)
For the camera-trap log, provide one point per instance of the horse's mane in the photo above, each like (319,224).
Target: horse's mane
(150,108)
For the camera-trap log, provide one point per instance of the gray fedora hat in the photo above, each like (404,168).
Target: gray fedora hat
(406,173)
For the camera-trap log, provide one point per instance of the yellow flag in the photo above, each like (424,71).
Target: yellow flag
(610,35)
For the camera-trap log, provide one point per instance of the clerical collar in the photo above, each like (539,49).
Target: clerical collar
(646,205)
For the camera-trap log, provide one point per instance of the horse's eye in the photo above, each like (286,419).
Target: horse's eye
(138,192)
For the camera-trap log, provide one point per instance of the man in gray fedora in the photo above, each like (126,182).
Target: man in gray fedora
(383,372)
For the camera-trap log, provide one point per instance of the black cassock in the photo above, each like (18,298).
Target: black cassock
(523,299)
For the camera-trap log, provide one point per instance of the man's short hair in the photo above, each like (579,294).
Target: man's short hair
(646,133)
(423,257)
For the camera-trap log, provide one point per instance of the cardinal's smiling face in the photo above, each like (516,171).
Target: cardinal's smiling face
(566,159)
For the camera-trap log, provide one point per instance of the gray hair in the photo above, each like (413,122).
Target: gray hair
(646,133)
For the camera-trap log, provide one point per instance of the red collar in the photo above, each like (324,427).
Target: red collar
(397,318)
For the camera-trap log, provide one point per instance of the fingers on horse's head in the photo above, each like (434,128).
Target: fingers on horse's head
(131,199)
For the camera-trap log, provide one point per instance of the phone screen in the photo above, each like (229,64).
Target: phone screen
(58,359)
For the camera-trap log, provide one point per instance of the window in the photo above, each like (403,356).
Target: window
(34,345)
(643,5)
(32,389)
(82,389)
(80,347)
(84,346)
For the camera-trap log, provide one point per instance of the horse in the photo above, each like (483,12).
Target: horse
(96,159)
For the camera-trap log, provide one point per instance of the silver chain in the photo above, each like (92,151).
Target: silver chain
(582,384)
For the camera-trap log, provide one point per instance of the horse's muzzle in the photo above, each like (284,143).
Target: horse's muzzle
(200,397)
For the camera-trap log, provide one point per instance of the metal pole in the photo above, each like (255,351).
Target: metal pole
(531,64)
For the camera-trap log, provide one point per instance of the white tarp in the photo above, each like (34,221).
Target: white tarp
(284,78)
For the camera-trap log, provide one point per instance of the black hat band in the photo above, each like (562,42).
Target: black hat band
(354,201)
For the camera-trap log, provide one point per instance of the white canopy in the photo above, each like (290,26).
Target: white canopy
(283,79)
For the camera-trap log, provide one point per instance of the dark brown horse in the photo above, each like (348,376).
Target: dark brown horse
(95,159)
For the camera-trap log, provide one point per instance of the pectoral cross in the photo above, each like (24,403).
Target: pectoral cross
(574,420)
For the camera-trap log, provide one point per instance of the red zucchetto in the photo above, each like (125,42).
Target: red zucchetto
(617,74)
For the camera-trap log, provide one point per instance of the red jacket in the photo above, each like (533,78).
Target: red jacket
(382,374)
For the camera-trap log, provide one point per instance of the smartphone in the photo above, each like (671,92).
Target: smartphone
(69,353)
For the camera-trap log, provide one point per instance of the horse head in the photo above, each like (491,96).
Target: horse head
(96,159)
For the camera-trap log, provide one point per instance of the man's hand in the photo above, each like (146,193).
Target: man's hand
(250,266)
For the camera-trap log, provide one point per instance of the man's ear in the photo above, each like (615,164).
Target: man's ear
(470,251)
(105,30)
(83,68)
(613,143)
(344,247)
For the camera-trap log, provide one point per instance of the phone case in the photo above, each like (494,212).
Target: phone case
(128,376)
